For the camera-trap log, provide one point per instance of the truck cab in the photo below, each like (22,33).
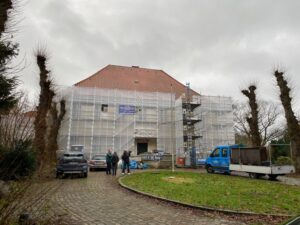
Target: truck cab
(218,160)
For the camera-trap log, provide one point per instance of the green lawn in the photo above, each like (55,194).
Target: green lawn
(219,191)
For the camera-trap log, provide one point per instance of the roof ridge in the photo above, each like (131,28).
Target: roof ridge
(92,75)
(134,67)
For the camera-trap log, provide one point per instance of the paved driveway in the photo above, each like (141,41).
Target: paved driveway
(99,200)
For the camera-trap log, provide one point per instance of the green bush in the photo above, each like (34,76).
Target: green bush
(280,151)
(17,162)
(283,160)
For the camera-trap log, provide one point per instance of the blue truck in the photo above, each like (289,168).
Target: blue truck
(254,161)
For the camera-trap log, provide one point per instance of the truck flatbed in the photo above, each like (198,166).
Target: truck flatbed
(273,169)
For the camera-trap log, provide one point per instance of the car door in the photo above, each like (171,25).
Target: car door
(224,159)
(215,160)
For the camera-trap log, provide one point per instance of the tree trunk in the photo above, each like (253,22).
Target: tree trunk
(54,126)
(253,120)
(292,122)
(40,124)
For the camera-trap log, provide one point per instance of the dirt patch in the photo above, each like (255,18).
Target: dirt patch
(178,180)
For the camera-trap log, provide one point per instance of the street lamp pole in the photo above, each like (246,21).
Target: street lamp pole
(172,127)
(135,111)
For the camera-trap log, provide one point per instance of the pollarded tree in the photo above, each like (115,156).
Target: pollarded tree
(292,122)
(43,108)
(48,120)
(252,118)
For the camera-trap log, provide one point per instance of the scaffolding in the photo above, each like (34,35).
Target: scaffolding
(102,119)
(216,127)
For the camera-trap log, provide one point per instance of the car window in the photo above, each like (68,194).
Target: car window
(216,153)
(224,152)
(99,157)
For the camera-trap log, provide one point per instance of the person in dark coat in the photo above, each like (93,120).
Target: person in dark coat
(114,163)
(126,162)
(108,162)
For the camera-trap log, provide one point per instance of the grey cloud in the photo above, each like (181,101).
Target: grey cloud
(220,46)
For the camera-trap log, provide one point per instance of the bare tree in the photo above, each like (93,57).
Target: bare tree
(17,124)
(268,122)
(292,122)
(270,127)
(252,118)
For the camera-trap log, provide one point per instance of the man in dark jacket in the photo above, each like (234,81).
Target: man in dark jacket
(108,162)
(126,162)
(114,163)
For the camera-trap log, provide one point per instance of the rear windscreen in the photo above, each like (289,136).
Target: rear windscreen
(99,158)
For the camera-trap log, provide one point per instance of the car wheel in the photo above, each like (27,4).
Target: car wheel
(209,169)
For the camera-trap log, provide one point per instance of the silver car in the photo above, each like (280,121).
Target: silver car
(97,162)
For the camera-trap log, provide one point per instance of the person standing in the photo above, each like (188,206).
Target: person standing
(108,162)
(126,162)
(114,163)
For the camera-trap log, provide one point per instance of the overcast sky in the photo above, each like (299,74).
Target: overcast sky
(217,46)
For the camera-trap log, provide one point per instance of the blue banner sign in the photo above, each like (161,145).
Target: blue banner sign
(126,109)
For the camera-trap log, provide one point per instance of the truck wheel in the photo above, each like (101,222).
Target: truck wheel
(209,169)
(272,176)
(255,175)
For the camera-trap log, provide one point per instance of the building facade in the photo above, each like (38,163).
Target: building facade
(142,110)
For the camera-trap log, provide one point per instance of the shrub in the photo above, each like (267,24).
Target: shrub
(283,160)
(20,161)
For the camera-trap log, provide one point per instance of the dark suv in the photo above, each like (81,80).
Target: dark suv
(72,163)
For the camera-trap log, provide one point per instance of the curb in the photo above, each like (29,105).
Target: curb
(225,211)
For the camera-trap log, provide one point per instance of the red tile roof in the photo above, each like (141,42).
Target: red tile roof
(134,78)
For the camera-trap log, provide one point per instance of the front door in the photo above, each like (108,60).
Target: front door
(142,147)
(216,164)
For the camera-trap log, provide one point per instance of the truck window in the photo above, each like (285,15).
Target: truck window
(216,153)
(224,152)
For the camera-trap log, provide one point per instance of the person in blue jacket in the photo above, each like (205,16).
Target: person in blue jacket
(108,162)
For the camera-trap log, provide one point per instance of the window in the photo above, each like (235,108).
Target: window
(104,108)
(224,152)
(216,153)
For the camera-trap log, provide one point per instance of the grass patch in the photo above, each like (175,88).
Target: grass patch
(219,191)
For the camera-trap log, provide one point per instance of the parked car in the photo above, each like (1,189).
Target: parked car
(72,163)
(97,162)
